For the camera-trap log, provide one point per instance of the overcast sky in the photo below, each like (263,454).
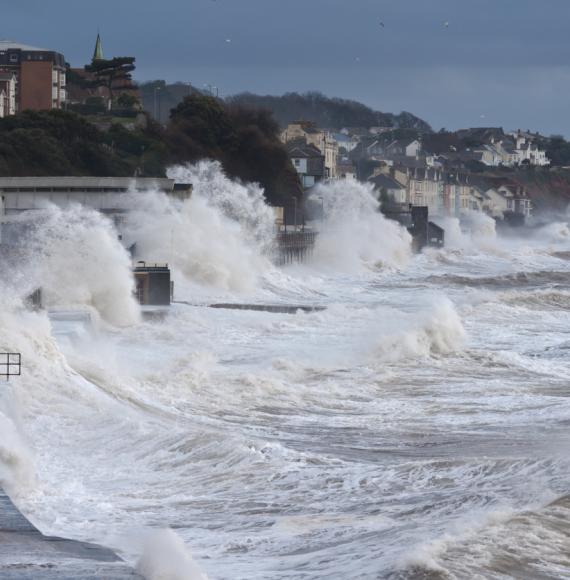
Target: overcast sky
(497,63)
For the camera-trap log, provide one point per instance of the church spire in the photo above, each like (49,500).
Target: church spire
(98,53)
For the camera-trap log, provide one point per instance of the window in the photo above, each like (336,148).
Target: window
(13,57)
(297,162)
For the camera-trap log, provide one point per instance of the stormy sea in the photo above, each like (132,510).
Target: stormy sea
(415,425)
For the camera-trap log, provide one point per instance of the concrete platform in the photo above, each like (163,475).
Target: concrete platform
(26,554)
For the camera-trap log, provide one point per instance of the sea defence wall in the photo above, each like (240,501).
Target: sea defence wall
(296,246)
(26,554)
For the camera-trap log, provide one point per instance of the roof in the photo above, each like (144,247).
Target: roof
(299,149)
(129,183)
(385,181)
(6,76)
(12,45)
(403,142)
(342,138)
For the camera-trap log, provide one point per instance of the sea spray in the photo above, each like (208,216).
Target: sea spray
(17,472)
(354,234)
(78,261)
(475,231)
(241,202)
(217,238)
(165,557)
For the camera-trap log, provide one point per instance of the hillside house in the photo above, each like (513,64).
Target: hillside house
(384,185)
(319,138)
(308,161)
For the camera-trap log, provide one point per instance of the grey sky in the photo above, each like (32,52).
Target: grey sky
(500,62)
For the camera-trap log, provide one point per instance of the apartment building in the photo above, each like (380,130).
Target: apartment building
(39,75)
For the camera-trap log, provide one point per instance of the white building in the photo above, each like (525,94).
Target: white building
(8,88)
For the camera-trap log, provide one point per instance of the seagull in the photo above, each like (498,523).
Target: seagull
(356,59)
(446,24)
(228,40)
(382,24)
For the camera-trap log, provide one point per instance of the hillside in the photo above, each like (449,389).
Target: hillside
(245,141)
(332,113)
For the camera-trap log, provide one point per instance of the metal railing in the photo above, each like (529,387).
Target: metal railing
(10,365)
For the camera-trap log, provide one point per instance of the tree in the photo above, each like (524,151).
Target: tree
(244,140)
(112,73)
(127,101)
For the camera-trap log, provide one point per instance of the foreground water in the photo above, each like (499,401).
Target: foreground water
(416,428)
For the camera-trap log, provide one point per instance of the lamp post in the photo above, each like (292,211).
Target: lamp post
(157,109)
(295,212)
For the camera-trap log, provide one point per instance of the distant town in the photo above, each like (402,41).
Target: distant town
(505,174)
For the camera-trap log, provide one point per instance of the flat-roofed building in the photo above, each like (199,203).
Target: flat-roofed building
(104,194)
(39,72)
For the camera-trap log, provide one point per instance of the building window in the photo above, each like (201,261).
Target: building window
(13,58)
(297,162)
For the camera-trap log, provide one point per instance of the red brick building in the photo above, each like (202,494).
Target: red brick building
(40,75)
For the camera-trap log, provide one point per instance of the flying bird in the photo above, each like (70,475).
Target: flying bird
(382,24)
(228,40)
(446,24)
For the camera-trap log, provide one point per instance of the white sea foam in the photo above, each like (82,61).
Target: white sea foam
(239,419)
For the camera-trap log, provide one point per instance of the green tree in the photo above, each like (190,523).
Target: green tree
(112,73)
(127,101)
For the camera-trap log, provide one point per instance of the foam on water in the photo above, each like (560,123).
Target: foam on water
(418,425)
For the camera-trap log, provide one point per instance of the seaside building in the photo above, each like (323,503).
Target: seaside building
(308,161)
(105,194)
(319,138)
(39,76)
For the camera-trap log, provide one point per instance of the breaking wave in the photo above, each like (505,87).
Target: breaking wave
(219,237)
(354,233)
(78,261)
(436,331)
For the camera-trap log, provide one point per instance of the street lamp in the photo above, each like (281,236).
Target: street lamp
(295,212)
(157,116)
